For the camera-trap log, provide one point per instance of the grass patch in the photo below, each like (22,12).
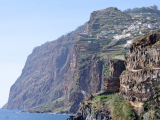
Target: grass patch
(121,109)
(123,52)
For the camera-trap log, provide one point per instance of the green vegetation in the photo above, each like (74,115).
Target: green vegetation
(146,106)
(112,78)
(88,39)
(58,105)
(121,109)
(84,57)
(156,44)
(82,65)
(141,117)
(144,12)
(102,21)
(106,68)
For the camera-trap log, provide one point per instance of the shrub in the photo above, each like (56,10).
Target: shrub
(146,106)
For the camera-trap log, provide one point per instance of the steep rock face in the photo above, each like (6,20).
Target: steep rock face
(144,52)
(87,79)
(142,64)
(90,77)
(41,80)
(112,85)
(116,67)
(85,112)
(141,82)
(141,85)
(101,110)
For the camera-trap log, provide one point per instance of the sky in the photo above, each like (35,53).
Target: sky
(25,24)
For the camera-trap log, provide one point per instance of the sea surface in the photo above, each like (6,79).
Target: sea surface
(17,115)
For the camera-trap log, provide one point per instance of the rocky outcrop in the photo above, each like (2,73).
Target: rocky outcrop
(141,79)
(85,112)
(144,52)
(140,83)
(116,67)
(112,85)
(41,80)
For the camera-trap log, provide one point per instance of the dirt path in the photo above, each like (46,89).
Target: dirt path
(141,69)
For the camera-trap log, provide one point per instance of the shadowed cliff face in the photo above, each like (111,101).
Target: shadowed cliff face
(41,80)
(87,79)
(116,67)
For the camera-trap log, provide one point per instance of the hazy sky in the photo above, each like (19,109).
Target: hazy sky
(25,24)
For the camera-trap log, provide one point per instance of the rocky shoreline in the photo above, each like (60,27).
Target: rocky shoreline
(46,111)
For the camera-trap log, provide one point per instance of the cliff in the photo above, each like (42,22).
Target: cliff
(41,80)
(102,19)
(140,83)
(116,67)
(97,106)
(59,75)
(87,72)
(70,68)
(144,51)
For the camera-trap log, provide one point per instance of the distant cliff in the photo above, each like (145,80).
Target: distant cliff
(86,69)
(59,75)
(41,80)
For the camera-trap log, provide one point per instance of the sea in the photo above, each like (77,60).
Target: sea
(18,115)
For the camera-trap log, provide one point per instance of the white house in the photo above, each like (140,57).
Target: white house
(140,32)
(111,31)
(127,45)
(128,34)
(132,27)
(89,42)
(150,26)
(118,37)
(124,31)
(148,18)
(104,32)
